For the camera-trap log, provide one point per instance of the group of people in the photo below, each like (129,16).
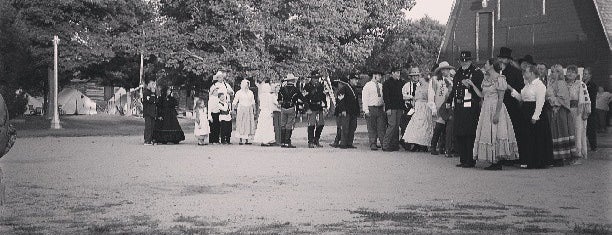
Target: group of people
(159,111)
(506,113)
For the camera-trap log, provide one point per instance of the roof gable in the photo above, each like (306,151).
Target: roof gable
(604,10)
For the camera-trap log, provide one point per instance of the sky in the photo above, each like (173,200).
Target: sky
(436,9)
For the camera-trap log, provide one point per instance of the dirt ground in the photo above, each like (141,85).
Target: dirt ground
(114,185)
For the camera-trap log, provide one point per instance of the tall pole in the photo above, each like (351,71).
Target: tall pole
(55,122)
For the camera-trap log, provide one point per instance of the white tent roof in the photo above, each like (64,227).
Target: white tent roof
(74,102)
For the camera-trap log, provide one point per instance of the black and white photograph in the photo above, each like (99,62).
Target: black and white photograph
(305,117)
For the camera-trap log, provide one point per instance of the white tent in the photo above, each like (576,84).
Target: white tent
(117,104)
(33,104)
(72,101)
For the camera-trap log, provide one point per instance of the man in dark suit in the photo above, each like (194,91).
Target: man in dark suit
(466,110)
(347,111)
(149,110)
(514,78)
(394,108)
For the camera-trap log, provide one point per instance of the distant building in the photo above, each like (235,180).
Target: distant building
(554,31)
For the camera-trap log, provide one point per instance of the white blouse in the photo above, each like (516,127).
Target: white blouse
(533,91)
(244,98)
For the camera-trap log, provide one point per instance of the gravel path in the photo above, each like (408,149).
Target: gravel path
(114,185)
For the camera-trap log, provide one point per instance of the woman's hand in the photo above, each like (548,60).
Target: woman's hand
(495,118)
(533,121)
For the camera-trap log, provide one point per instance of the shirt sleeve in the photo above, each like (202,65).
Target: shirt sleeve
(365,97)
(540,91)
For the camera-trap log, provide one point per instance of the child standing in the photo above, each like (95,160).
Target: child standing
(202,129)
(225,118)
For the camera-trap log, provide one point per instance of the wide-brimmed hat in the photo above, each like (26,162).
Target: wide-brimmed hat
(218,75)
(290,77)
(505,52)
(443,65)
(465,56)
(414,71)
(528,59)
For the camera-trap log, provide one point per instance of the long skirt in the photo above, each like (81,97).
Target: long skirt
(562,128)
(265,128)
(420,128)
(537,138)
(168,130)
(494,142)
(245,122)
(581,138)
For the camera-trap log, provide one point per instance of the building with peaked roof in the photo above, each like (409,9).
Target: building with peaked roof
(554,32)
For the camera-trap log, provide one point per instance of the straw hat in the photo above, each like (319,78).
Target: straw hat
(414,71)
(443,65)
(290,77)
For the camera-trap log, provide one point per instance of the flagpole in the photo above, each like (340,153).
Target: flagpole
(55,122)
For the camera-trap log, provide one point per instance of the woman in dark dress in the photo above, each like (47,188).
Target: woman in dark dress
(167,127)
(535,127)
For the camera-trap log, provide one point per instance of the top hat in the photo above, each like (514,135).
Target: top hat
(505,52)
(414,71)
(443,65)
(218,75)
(528,59)
(290,77)
(465,56)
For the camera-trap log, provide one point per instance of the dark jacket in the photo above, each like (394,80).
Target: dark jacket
(392,94)
(315,98)
(466,118)
(347,100)
(289,96)
(149,103)
(514,78)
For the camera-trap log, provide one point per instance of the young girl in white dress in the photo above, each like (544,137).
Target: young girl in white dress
(202,128)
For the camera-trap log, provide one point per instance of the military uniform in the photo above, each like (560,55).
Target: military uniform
(315,103)
(149,111)
(288,98)
(466,112)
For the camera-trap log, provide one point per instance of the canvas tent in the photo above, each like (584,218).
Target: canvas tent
(72,101)
(117,104)
(35,105)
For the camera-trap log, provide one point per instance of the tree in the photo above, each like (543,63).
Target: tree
(411,43)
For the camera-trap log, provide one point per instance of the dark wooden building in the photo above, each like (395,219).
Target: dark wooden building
(552,31)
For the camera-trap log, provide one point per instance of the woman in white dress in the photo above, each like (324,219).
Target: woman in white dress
(244,103)
(420,128)
(265,125)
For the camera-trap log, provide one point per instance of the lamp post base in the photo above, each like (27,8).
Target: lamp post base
(55,125)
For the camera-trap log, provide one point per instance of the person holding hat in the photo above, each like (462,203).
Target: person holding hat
(466,103)
(347,110)
(374,110)
(315,104)
(394,107)
(440,87)
(288,98)
(514,79)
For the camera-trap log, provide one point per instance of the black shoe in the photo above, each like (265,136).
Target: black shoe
(434,152)
(468,166)
(290,146)
(311,145)
(334,145)
(317,144)
(494,167)
(248,143)
(460,165)
(351,147)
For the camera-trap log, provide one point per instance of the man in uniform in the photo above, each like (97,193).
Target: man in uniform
(315,103)
(288,98)
(467,108)
(149,110)
(514,78)
(347,111)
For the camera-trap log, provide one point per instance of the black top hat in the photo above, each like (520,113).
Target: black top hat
(528,59)
(465,56)
(505,52)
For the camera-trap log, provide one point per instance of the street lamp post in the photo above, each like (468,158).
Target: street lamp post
(55,122)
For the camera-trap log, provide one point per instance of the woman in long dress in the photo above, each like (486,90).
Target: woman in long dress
(535,128)
(244,102)
(580,106)
(167,127)
(561,121)
(495,139)
(420,128)
(264,133)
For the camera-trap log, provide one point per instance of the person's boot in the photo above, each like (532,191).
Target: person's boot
(288,139)
(311,136)
(317,137)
